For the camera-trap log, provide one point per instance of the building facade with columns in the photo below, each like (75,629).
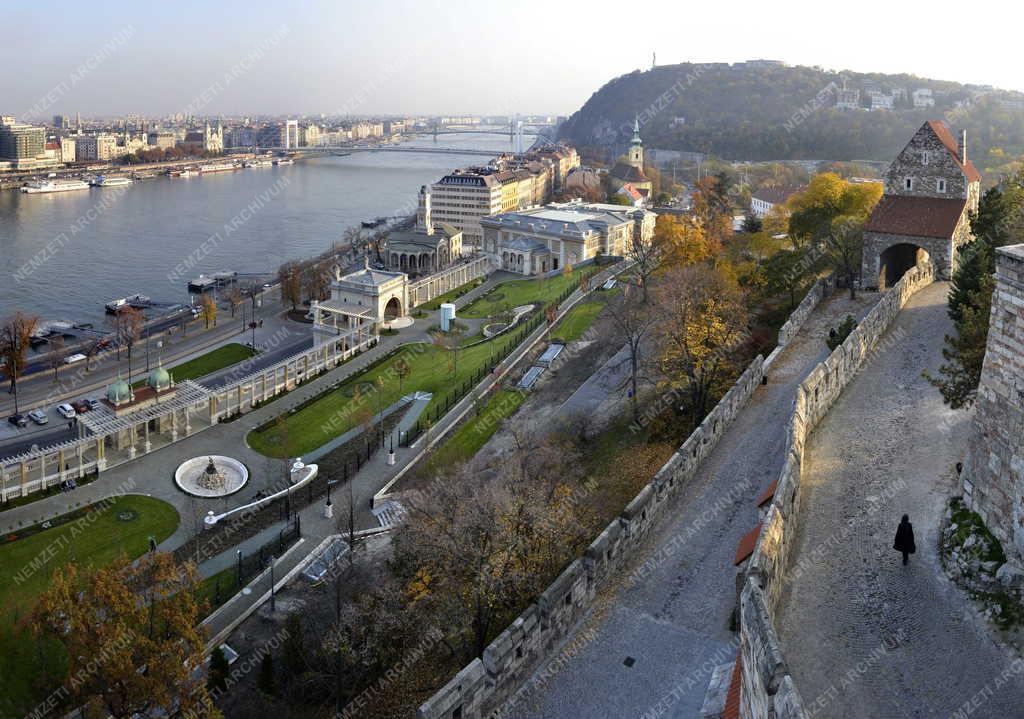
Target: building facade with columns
(548,238)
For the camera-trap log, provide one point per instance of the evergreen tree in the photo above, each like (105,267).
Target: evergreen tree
(998,221)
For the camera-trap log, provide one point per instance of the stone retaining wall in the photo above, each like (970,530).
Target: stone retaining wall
(767,687)
(487,687)
(819,290)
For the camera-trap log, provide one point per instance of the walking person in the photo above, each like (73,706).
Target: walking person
(904,541)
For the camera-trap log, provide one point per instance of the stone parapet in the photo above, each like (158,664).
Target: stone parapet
(768,689)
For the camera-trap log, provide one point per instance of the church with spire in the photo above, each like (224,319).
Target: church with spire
(628,175)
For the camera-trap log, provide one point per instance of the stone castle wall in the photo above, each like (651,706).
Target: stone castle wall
(993,475)
(767,687)
(489,686)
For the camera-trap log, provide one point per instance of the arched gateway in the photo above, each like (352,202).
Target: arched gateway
(931,188)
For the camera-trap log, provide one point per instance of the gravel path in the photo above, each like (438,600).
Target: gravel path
(674,623)
(863,635)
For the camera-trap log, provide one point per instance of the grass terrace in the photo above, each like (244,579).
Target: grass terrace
(92,536)
(431,369)
(514,293)
(467,440)
(226,356)
(578,320)
(450,295)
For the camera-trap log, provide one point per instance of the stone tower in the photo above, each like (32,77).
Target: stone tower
(424,223)
(636,147)
(993,473)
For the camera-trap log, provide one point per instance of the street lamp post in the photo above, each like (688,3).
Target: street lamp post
(239,577)
(272,606)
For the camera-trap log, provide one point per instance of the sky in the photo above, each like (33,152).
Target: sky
(223,57)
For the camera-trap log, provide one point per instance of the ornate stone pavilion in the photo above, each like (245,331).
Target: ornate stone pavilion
(427,248)
(359,301)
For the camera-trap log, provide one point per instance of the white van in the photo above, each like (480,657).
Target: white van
(71,359)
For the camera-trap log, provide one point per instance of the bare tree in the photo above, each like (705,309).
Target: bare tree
(632,320)
(647,257)
(56,356)
(15,337)
(128,328)
(289,275)
(235,297)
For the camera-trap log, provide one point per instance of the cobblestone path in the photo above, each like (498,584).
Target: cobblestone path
(864,635)
(674,623)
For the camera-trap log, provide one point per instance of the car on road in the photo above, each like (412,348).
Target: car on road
(18,420)
(38,416)
(77,357)
(66,411)
(80,406)
(93,403)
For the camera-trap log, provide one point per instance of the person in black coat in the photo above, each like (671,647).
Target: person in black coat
(904,541)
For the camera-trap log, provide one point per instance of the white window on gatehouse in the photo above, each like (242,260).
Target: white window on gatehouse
(940,186)
(908,183)
(925,156)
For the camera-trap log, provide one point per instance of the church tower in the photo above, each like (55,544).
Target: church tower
(636,147)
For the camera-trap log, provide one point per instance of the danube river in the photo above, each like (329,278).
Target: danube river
(63,255)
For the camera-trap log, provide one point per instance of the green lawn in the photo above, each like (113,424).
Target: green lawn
(449,296)
(522,292)
(578,320)
(467,440)
(334,413)
(210,362)
(26,566)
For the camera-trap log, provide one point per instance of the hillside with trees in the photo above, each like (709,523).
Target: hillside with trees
(752,111)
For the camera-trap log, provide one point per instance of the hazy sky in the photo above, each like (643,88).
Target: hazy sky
(454,56)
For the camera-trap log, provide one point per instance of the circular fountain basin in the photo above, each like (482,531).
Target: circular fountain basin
(190,476)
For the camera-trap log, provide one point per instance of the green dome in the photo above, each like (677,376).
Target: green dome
(119,392)
(159,379)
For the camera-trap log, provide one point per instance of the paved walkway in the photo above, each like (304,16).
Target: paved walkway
(863,635)
(674,623)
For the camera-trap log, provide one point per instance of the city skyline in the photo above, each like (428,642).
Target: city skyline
(410,59)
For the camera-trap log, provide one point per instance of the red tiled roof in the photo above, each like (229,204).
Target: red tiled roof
(768,494)
(942,132)
(732,698)
(746,546)
(916,216)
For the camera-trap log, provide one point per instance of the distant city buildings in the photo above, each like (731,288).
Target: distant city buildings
(23,146)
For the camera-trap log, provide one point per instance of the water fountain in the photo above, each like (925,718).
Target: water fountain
(212,476)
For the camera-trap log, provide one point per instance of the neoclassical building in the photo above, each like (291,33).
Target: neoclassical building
(548,238)
(426,249)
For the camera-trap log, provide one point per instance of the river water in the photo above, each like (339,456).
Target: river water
(63,255)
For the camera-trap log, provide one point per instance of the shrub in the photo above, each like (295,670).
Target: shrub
(837,335)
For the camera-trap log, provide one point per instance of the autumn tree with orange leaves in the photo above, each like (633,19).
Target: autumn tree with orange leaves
(130,634)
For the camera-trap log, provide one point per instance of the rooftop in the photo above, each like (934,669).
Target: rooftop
(916,216)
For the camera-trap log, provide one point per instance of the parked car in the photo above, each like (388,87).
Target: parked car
(66,411)
(18,420)
(77,357)
(93,403)
(38,416)
(80,406)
